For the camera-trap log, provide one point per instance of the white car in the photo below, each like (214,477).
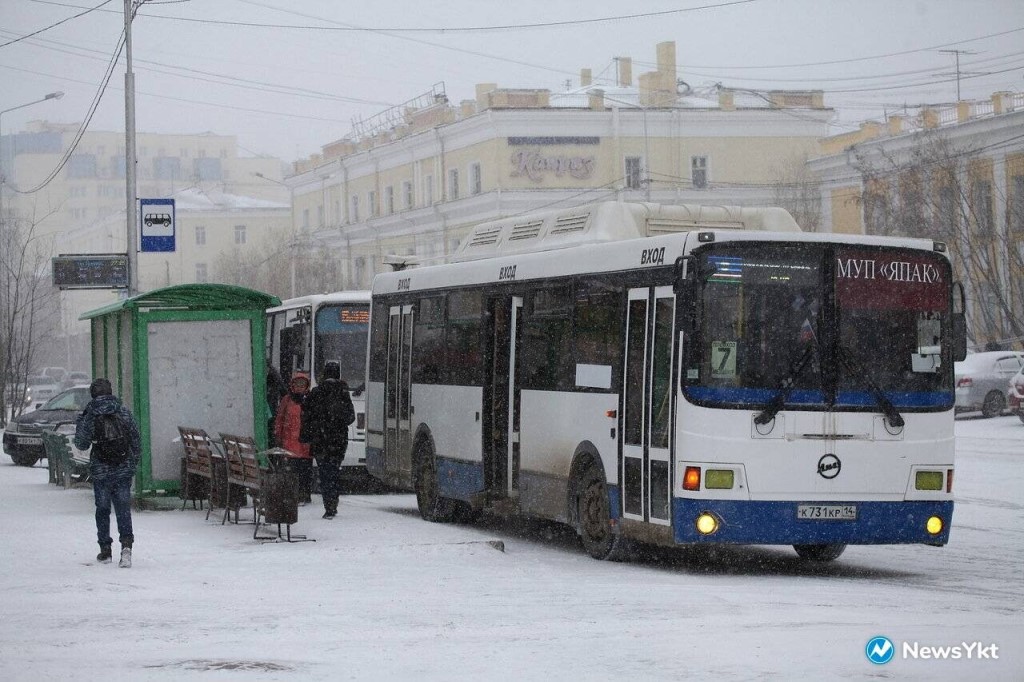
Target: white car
(40,389)
(981,381)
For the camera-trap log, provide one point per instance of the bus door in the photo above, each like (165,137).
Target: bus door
(647,405)
(501,397)
(397,391)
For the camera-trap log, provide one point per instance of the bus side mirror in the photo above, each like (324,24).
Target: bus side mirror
(958,322)
(959,337)
(684,285)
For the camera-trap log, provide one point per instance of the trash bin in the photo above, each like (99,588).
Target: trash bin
(279,489)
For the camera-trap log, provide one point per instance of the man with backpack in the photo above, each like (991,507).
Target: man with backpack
(326,415)
(109,429)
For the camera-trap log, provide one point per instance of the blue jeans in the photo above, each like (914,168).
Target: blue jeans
(113,485)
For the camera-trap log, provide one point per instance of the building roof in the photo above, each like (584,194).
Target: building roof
(194,199)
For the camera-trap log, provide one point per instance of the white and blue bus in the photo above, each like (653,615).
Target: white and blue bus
(304,333)
(673,375)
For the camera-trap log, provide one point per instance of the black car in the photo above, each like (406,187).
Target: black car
(23,436)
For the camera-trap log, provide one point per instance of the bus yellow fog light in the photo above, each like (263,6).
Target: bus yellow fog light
(928,480)
(719,479)
(934,525)
(706,524)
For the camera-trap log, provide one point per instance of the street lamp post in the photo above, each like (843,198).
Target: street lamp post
(3,176)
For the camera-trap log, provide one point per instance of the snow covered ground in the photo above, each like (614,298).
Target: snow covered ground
(385,595)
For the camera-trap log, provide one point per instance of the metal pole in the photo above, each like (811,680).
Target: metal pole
(129,156)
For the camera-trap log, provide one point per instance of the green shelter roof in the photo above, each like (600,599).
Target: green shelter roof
(191,297)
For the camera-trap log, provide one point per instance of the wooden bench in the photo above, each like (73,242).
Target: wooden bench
(243,467)
(71,465)
(198,478)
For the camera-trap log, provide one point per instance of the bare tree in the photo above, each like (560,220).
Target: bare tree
(796,189)
(270,265)
(946,192)
(27,305)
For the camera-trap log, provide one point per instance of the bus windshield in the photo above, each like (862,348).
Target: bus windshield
(341,331)
(817,326)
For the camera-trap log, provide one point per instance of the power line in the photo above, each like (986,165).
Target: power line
(433,29)
(47,28)
(85,124)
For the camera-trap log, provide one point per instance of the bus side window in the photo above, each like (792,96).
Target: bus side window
(598,321)
(428,365)
(462,334)
(547,349)
(379,347)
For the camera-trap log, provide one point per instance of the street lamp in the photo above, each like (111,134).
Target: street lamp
(3,176)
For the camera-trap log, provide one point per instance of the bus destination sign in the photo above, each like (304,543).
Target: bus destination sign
(91,271)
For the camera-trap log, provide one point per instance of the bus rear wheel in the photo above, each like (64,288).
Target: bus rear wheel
(819,552)
(432,506)
(594,517)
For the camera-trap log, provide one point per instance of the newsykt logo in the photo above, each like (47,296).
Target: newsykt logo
(879,650)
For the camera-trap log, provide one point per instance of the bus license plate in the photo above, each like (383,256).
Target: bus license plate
(827,512)
(30,440)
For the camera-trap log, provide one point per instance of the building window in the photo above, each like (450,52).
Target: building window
(633,172)
(453,184)
(1017,203)
(947,219)
(389,200)
(407,198)
(981,200)
(355,210)
(371,204)
(305,218)
(200,235)
(428,190)
(320,216)
(699,171)
(223,153)
(239,234)
(476,182)
(201,275)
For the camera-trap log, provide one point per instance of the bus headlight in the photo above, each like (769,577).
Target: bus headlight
(934,525)
(928,480)
(707,523)
(719,479)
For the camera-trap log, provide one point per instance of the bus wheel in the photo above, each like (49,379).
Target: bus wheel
(819,552)
(594,517)
(432,506)
(994,405)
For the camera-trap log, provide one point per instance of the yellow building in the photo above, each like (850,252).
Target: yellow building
(954,174)
(414,179)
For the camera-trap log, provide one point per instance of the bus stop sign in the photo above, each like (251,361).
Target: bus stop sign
(156,218)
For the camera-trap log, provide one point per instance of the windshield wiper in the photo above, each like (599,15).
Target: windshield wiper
(779,401)
(888,409)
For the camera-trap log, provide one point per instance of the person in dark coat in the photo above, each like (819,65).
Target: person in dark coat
(111,482)
(326,415)
(275,391)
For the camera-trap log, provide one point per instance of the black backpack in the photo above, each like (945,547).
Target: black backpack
(111,443)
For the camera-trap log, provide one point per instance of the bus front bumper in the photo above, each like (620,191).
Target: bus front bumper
(777,523)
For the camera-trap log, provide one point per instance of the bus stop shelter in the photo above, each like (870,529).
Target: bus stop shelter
(187,355)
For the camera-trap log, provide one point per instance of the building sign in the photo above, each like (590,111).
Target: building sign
(156,218)
(91,271)
(536,165)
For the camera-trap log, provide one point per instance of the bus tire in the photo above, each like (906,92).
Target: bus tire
(819,552)
(432,506)
(594,517)
(995,403)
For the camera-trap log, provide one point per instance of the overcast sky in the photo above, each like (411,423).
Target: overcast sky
(287,76)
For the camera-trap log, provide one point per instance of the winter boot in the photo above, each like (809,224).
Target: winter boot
(126,557)
(330,510)
(105,555)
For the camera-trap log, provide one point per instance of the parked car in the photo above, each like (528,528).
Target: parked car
(23,439)
(76,379)
(58,374)
(1015,395)
(981,381)
(40,389)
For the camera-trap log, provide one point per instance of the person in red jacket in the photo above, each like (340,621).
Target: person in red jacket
(286,432)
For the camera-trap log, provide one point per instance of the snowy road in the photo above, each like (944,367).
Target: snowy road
(384,595)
